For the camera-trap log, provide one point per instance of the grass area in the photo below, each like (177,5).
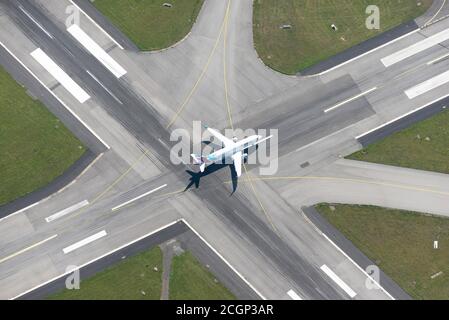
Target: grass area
(123,281)
(189,280)
(311,38)
(127,280)
(35,147)
(400,243)
(422,146)
(149,24)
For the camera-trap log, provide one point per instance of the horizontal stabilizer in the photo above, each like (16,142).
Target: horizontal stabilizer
(263,140)
(197,159)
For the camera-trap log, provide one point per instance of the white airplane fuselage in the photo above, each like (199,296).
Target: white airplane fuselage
(233,151)
(225,154)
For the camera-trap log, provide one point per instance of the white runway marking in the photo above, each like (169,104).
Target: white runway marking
(350,99)
(60,75)
(35,22)
(85,241)
(90,45)
(137,198)
(226,261)
(104,87)
(338,281)
(96,24)
(323,138)
(67,211)
(443,57)
(136,240)
(415,48)
(27,248)
(369,52)
(54,96)
(428,85)
(400,117)
(292,294)
(358,267)
(93,260)
(20,211)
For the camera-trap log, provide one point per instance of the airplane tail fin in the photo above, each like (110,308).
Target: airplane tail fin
(199,161)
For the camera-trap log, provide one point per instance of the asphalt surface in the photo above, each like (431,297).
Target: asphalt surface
(91,269)
(360,49)
(348,247)
(179,232)
(57,184)
(139,113)
(259,229)
(122,39)
(437,11)
(142,122)
(404,122)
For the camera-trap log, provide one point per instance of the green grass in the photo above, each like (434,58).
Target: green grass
(35,147)
(400,243)
(127,279)
(189,280)
(411,148)
(311,40)
(123,281)
(147,23)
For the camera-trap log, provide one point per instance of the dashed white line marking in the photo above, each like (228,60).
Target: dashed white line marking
(136,240)
(104,87)
(292,294)
(27,248)
(137,198)
(350,99)
(60,75)
(438,59)
(67,211)
(338,281)
(324,138)
(96,51)
(35,22)
(428,85)
(415,48)
(95,259)
(84,242)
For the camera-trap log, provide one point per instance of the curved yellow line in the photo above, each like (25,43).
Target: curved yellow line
(385,184)
(203,72)
(231,124)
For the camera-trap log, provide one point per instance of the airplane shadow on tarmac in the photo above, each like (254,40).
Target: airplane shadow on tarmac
(195,177)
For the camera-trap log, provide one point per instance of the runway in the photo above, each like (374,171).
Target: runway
(259,229)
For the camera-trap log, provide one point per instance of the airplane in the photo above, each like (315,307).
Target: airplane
(233,150)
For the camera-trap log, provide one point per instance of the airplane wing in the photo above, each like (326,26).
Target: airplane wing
(263,140)
(226,141)
(237,157)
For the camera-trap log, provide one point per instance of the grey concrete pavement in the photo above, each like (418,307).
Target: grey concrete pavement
(354,182)
(260,229)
